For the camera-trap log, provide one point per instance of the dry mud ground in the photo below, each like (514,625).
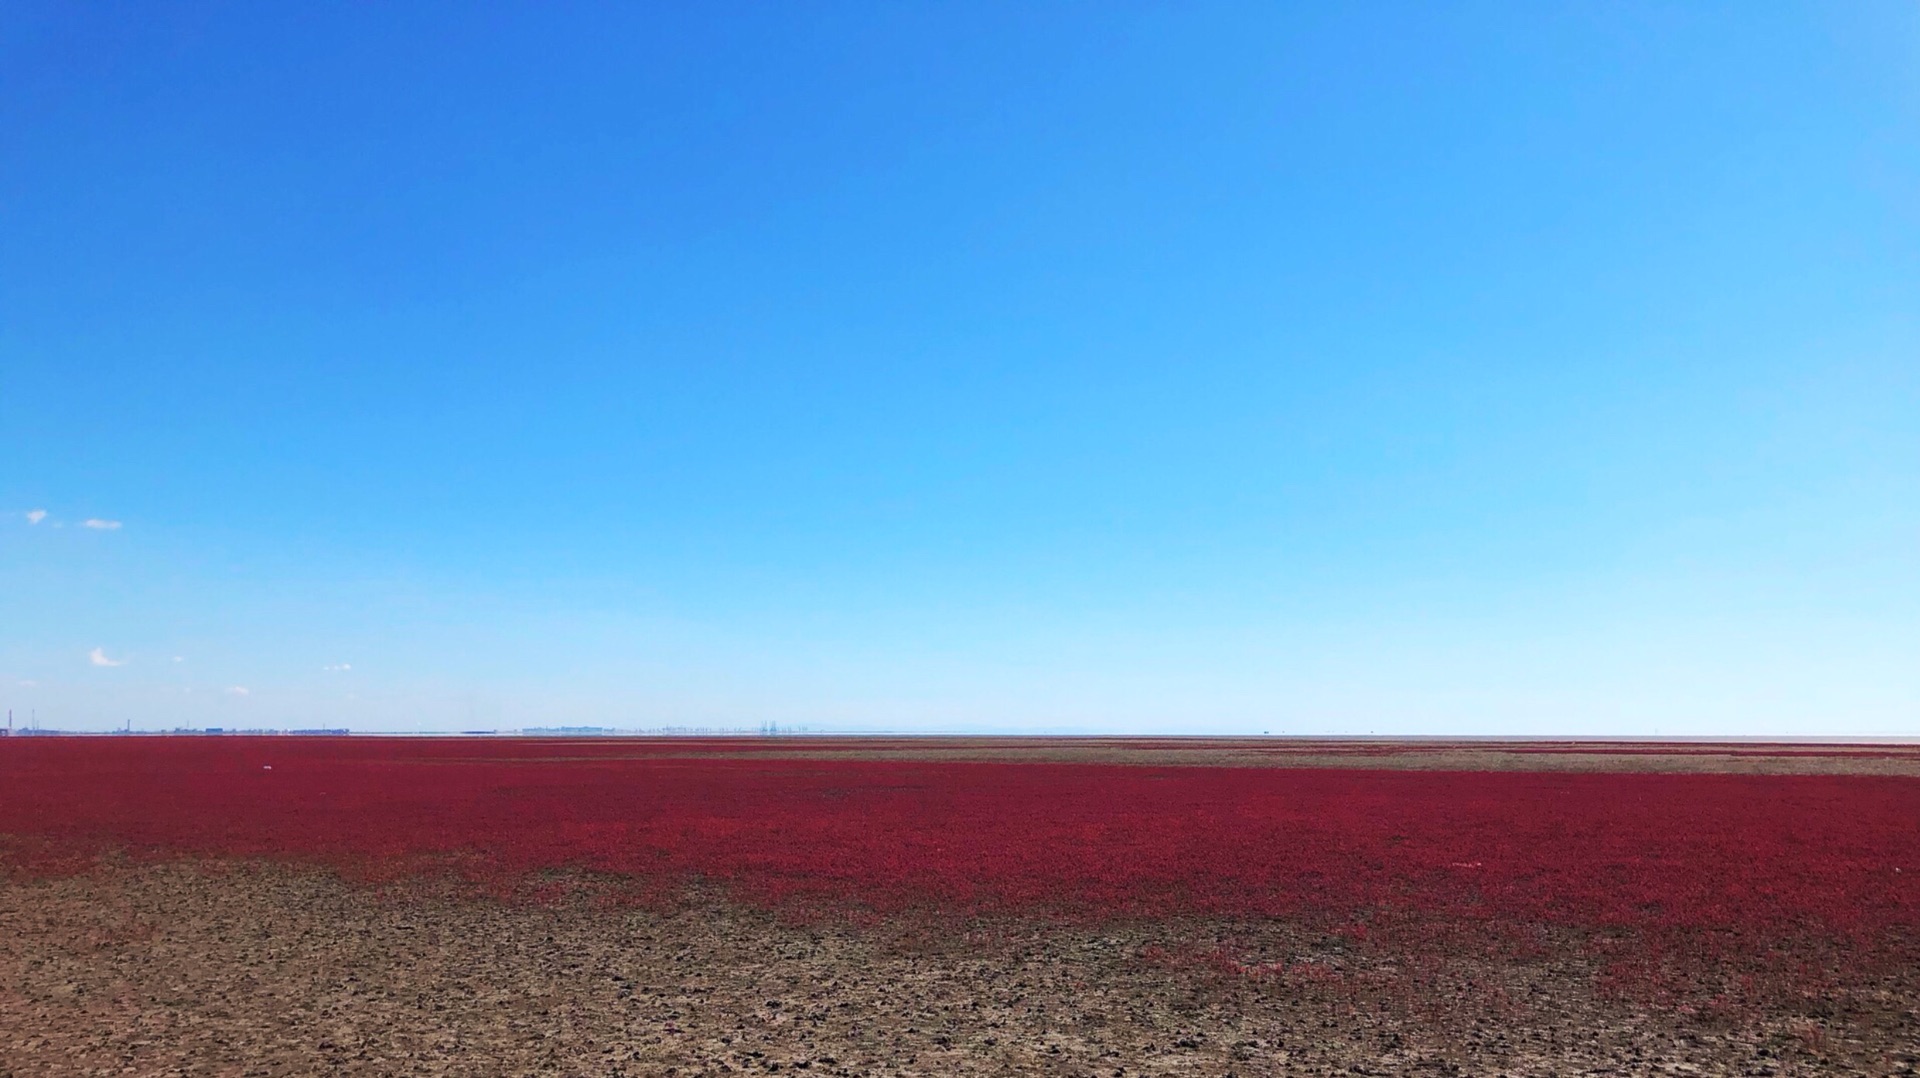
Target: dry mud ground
(218,969)
(1901,757)
(259,970)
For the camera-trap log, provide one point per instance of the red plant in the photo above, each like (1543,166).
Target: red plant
(1713,864)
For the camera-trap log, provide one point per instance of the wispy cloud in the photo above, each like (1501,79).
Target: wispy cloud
(238,690)
(35,516)
(98,657)
(338,666)
(29,683)
(101,525)
(179,658)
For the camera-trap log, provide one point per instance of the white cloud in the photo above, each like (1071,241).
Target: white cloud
(238,690)
(98,657)
(101,525)
(179,658)
(338,666)
(35,516)
(28,684)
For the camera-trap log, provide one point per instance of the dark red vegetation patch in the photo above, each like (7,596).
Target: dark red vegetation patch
(1690,856)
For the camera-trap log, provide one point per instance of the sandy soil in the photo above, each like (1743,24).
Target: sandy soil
(254,970)
(1892,758)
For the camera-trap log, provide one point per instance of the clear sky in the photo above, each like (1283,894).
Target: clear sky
(1424,368)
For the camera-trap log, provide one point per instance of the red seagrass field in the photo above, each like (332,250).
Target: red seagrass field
(1748,857)
(1731,897)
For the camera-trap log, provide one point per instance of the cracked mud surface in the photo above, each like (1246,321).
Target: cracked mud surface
(257,970)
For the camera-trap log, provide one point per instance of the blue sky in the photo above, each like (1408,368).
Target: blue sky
(1391,368)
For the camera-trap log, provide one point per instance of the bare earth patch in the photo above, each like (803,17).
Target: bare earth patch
(1678,757)
(259,970)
